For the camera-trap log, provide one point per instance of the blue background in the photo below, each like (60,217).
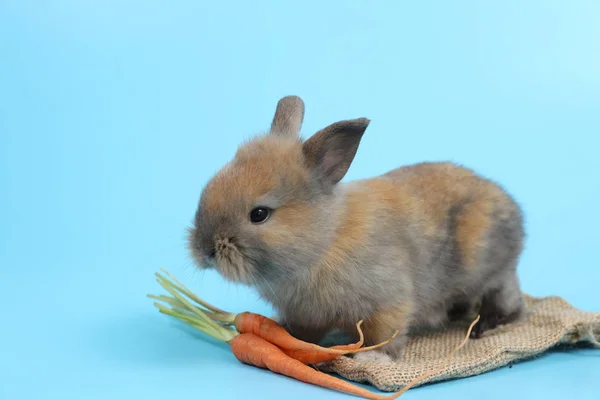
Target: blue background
(114,114)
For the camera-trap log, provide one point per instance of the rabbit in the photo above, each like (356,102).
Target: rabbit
(411,249)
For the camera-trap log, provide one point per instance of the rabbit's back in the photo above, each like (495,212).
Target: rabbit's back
(466,231)
(451,201)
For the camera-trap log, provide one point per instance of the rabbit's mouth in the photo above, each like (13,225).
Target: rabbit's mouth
(230,262)
(234,259)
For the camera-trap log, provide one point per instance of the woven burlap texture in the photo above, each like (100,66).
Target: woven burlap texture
(550,322)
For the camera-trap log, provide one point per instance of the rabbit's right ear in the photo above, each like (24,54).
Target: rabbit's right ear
(330,151)
(288,116)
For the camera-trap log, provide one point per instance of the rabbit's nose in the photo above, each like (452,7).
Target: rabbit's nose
(223,244)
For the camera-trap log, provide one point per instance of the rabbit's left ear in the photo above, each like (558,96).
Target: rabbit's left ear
(330,151)
(288,116)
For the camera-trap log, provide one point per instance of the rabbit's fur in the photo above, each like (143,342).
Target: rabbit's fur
(406,250)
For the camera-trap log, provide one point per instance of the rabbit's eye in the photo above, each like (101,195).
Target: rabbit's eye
(259,215)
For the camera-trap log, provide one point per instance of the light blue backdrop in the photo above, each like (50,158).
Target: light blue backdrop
(113,115)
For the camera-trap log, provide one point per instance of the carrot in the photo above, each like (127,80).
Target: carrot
(314,357)
(267,328)
(251,348)
(271,331)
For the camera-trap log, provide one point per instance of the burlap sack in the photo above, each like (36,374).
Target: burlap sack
(550,322)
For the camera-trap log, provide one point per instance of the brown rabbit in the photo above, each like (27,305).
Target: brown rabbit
(406,250)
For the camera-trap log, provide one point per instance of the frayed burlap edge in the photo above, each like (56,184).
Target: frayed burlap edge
(550,322)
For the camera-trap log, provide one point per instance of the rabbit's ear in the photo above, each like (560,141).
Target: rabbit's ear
(330,151)
(288,116)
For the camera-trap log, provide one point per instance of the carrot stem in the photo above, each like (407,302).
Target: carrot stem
(193,309)
(173,302)
(221,334)
(195,298)
(215,313)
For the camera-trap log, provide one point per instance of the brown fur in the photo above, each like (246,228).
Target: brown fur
(350,233)
(401,250)
(378,327)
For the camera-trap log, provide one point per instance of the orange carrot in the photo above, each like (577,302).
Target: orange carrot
(272,332)
(314,357)
(253,350)
(250,347)
(267,328)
